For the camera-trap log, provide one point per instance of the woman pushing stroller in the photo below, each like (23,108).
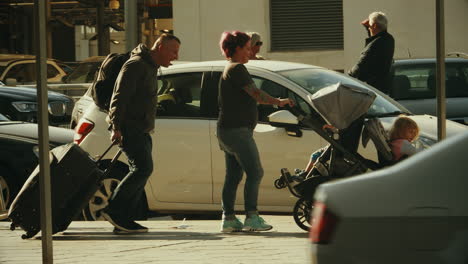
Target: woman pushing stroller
(238,98)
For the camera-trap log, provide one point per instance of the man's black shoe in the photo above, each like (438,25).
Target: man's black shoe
(125,226)
(133,228)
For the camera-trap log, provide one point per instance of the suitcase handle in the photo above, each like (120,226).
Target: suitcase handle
(116,156)
(114,159)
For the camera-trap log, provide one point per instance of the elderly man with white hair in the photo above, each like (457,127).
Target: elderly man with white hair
(376,59)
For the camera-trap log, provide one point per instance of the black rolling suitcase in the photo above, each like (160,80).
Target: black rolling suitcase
(75,177)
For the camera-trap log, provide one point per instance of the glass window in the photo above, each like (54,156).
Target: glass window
(51,71)
(274,90)
(315,79)
(22,73)
(457,80)
(278,91)
(414,82)
(179,95)
(419,81)
(84,73)
(2,68)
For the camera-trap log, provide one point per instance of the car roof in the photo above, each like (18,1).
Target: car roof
(6,59)
(10,57)
(427,60)
(270,65)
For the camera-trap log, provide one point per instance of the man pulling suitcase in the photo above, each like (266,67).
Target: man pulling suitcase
(132,116)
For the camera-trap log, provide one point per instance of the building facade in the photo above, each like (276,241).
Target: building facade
(326,33)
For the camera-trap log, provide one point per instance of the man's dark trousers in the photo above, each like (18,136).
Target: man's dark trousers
(137,146)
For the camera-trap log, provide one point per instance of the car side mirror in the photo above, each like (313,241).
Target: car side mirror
(282,118)
(286,119)
(11,81)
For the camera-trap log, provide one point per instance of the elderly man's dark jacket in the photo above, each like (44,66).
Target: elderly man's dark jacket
(376,59)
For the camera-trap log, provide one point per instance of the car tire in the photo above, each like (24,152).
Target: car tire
(302,213)
(100,200)
(9,187)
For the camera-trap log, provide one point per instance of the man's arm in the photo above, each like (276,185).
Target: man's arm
(263,98)
(124,89)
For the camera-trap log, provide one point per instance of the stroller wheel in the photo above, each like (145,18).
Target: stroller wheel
(301,213)
(280,184)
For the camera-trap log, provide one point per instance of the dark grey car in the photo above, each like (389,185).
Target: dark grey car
(414,86)
(18,152)
(20,103)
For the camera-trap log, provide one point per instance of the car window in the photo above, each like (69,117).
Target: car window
(278,91)
(22,73)
(179,95)
(271,88)
(84,73)
(51,71)
(457,80)
(315,79)
(2,68)
(418,81)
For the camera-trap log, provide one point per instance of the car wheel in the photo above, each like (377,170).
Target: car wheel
(301,213)
(8,186)
(100,199)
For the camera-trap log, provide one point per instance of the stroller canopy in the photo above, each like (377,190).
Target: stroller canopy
(341,104)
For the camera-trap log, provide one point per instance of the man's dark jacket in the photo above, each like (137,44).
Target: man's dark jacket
(376,59)
(135,99)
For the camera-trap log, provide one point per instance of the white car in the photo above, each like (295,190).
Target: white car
(189,166)
(413,212)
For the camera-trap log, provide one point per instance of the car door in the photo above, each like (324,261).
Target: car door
(277,150)
(182,145)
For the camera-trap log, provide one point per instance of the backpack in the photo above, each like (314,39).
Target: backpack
(103,85)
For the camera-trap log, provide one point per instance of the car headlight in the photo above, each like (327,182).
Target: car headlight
(25,106)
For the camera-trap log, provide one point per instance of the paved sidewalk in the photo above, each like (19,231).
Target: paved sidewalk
(168,241)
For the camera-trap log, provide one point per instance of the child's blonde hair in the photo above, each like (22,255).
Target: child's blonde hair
(401,125)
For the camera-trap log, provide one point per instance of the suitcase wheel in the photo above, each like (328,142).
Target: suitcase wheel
(12,227)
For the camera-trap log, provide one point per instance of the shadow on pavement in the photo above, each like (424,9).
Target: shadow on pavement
(168,235)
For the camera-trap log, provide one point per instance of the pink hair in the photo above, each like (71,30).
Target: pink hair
(231,40)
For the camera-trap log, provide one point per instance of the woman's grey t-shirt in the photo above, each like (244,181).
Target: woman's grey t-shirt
(236,107)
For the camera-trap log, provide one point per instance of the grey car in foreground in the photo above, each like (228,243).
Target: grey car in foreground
(413,212)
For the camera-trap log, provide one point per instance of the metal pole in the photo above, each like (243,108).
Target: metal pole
(40,11)
(49,30)
(440,70)
(131,25)
(102,30)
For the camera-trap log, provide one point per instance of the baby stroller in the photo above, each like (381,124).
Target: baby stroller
(344,108)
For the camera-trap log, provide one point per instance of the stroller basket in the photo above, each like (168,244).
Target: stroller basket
(307,187)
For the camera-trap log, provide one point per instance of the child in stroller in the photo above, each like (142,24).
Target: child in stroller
(342,127)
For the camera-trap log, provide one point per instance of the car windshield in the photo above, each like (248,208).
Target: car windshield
(315,79)
(84,73)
